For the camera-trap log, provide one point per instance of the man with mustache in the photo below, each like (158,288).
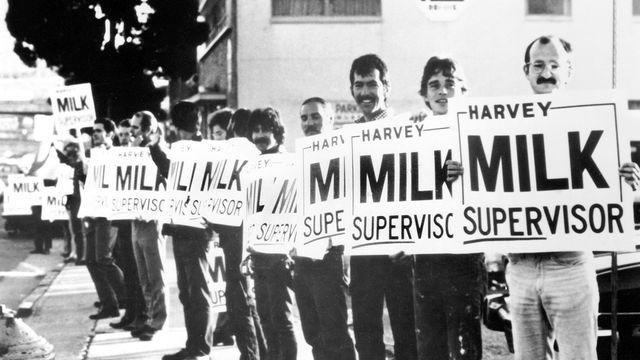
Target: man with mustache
(375,279)
(316,116)
(554,295)
(273,272)
(321,286)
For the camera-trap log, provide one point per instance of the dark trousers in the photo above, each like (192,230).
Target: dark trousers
(449,291)
(190,250)
(375,279)
(107,276)
(273,279)
(44,230)
(134,303)
(321,294)
(243,320)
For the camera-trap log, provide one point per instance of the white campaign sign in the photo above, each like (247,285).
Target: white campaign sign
(97,187)
(22,192)
(138,193)
(205,181)
(401,200)
(219,284)
(324,171)
(73,107)
(271,222)
(541,174)
(53,204)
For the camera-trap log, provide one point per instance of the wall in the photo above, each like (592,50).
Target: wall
(281,64)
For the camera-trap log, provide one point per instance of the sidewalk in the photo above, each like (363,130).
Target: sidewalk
(61,314)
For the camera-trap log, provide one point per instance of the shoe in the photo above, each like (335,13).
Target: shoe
(36,251)
(146,334)
(124,321)
(180,355)
(70,259)
(97,304)
(81,262)
(222,340)
(136,324)
(66,254)
(46,251)
(104,314)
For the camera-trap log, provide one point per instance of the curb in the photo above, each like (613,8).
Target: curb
(29,303)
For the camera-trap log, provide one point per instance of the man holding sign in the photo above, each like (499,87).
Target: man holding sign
(554,295)
(375,278)
(321,285)
(101,239)
(149,248)
(191,249)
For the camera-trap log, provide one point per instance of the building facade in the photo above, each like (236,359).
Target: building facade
(279,52)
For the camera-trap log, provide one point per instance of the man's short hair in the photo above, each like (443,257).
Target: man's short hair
(124,123)
(447,66)
(325,104)
(366,64)
(185,116)
(221,118)
(108,124)
(148,121)
(545,39)
(239,123)
(269,119)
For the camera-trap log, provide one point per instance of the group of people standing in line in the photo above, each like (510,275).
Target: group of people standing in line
(433,301)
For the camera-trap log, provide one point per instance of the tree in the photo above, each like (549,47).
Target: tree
(110,44)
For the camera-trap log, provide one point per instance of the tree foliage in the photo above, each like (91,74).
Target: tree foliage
(105,43)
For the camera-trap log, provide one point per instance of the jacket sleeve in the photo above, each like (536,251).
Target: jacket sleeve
(159,157)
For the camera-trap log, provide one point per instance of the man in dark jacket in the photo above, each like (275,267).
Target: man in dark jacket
(191,247)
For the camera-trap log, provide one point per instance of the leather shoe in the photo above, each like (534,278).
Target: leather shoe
(104,314)
(144,334)
(124,321)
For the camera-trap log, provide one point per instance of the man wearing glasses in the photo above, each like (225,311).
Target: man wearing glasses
(554,295)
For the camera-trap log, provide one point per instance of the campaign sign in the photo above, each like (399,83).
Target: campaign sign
(401,200)
(138,191)
(541,174)
(223,178)
(219,284)
(22,192)
(98,186)
(73,107)
(324,171)
(53,204)
(204,181)
(271,222)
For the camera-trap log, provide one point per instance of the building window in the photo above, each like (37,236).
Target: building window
(636,8)
(300,8)
(549,7)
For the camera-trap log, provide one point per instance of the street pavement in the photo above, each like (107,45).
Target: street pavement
(60,306)
(61,316)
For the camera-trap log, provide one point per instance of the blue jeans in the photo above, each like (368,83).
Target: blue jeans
(553,296)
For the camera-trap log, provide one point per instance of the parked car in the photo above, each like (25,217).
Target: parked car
(496,309)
